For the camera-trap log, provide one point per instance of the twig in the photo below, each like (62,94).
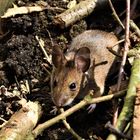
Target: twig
(25,10)
(39,129)
(69,127)
(22,10)
(70,16)
(121,24)
(41,44)
(115,15)
(4,122)
(118,29)
(16,81)
(114,52)
(135,27)
(50,37)
(132,8)
(2,119)
(27,86)
(115,131)
(127,43)
(128,129)
(120,41)
(131,52)
(126,48)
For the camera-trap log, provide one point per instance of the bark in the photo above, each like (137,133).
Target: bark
(4,5)
(70,16)
(136,119)
(21,123)
(78,12)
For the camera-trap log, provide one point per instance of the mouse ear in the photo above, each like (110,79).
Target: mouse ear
(82,59)
(58,58)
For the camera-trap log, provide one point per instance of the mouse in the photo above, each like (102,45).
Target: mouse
(86,62)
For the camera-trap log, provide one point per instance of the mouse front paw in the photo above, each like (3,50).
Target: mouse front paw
(91,108)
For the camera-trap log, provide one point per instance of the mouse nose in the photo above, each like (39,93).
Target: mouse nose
(58,104)
(57,101)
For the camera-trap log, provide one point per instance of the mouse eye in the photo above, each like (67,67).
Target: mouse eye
(72,86)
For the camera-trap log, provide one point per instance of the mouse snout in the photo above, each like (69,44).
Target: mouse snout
(61,100)
(57,101)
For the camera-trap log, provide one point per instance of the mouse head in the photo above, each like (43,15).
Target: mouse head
(68,73)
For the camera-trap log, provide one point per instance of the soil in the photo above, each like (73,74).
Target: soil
(23,60)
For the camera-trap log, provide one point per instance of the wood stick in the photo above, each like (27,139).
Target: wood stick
(70,16)
(134,27)
(21,123)
(67,125)
(136,119)
(41,127)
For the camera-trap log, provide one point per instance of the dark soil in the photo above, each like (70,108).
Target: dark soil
(22,59)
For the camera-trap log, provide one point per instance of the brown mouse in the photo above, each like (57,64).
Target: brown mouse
(87,58)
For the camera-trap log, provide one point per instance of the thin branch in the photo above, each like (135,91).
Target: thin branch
(135,27)
(22,10)
(115,15)
(79,11)
(50,37)
(39,129)
(69,127)
(126,45)
(29,9)
(4,122)
(113,130)
(41,44)
(122,64)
